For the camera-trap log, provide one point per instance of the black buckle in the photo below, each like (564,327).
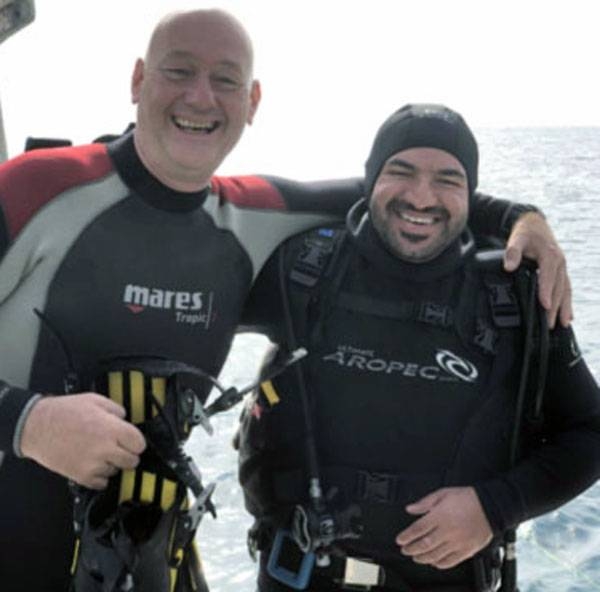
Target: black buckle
(314,257)
(505,309)
(435,314)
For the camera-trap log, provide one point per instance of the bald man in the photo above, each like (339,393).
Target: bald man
(121,266)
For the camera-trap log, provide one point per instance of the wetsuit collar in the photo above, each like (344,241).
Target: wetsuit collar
(145,185)
(371,247)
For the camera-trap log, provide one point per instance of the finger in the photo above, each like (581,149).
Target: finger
(431,557)
(415,531)
(109,406)
(548,279)
(452,559)
(551,277)
(513,254)
(425,503)
(424,546)
(556,299)
(566,306)
(130,439)
(107,470)
(96,482)
(122,459)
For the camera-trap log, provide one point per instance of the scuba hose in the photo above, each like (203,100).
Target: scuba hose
(315,528)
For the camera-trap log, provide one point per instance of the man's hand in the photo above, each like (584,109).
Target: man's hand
(83,437)
(452,528)
(532,237)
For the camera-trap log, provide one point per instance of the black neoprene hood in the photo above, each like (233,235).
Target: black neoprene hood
(423,126)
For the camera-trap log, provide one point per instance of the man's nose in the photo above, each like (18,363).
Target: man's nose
(200,92)
(421,193)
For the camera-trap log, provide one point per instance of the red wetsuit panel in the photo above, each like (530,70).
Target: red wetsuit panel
(36,177)
(248,191)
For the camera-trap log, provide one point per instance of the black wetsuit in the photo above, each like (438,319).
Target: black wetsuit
(119,264)
(406,399)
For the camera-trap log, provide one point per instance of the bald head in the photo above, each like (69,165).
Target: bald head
(218,22)
(194,94)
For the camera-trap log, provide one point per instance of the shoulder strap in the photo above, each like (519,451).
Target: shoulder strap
(317,270)
(317,255)
(489,302)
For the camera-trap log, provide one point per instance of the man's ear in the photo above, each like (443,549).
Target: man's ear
(255,94)
(136,80)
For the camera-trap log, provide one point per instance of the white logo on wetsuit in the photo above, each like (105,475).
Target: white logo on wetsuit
(189,307)
(450,367)
(451,363)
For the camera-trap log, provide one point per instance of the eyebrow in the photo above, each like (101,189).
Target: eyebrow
(180,53)
(398,162)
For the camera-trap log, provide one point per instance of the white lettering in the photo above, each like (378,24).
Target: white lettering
(168,303)
(450,366)
(337,357)
(196,301)
(157,299)
(393,366)
(357,362)
(377,365)
(182,300)
(165,299)
(136,295)
(429,372)
(190,319)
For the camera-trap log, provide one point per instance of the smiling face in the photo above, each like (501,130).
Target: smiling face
(420,203)
(195,94)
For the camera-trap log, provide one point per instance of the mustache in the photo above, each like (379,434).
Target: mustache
(398,205)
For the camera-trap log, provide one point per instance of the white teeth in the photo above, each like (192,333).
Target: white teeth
(187,124)
(416,220)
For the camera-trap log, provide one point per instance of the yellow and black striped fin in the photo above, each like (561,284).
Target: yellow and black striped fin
(127,486)
(137,397)
(115,387)
(132,389)
(168,495)
(159,390)
(147,487)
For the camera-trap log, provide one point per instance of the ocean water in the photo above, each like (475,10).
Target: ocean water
(557,169)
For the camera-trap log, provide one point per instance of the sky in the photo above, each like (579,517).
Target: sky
(330,71)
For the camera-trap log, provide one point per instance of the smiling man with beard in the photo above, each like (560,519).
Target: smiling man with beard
(394,457)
